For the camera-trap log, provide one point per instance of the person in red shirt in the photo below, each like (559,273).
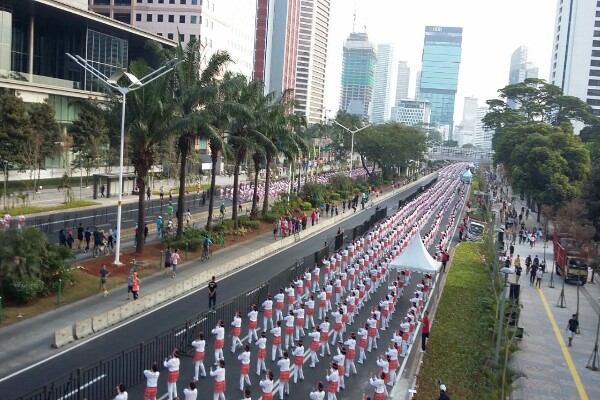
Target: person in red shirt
(425,332)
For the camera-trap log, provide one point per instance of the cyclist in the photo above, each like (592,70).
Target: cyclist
(206,245)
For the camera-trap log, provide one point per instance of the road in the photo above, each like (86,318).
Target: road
(135,332)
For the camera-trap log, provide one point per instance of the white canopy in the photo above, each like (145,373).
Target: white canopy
(416,258)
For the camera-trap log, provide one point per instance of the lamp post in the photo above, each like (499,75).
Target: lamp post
(135,83)
(352,143)
(5,165)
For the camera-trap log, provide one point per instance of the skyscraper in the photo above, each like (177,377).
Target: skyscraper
(439,72)
(418,86)
(482,137)
(575,65)
(358,75)
(383,81)
(312,59)
(520,69)
(276,49)
(402,81)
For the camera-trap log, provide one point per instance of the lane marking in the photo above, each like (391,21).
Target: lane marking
(582,394)
(66,396)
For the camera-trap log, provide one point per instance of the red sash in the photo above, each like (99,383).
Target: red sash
(267,396)
(276,339)
(279,305)
(245,369)
(394,364)
(198,356)
(332,387)
(372,332)
(362,343)
(173,376)
(324,336)
(268,312)
(351,354)
(252,324)
(338,326)
(344,318)
(284,376)
(322,303)
(314,346)
(236,330)
(299,360)
(289,330)
(299,321)
(291,299)
(310,311)
(376,396)
(219,387)
(150,392)
(219,344)
(262,353)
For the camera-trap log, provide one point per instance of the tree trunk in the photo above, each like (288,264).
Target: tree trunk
(364,164)
(236,193)
(184,149)
(265,207)
(214,158)
(139,248)
(254,211)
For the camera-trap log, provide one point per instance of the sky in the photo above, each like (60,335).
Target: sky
(492,30)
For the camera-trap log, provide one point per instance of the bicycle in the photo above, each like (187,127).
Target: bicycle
(101,249)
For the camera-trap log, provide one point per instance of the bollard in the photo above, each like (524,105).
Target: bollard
(132,265)
(59,290)
(186,250)
(161,256)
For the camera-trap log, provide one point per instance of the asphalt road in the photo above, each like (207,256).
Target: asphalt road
(149,326)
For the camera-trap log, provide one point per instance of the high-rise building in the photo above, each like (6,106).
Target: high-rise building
(575,65)
(439,72)
(358,75)
(312,59)
(412,112)
(469,114)
(520,69)
(218,25)
(418,86)
(276,48)
(384,70)
(482,137)
(402,81)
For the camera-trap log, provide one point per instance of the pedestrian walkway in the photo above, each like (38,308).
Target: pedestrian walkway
(550,369)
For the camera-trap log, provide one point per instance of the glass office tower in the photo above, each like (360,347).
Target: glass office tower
(439,72)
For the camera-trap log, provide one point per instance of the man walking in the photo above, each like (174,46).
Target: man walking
(572,327)
(103,275)
(425,333)
(212,294)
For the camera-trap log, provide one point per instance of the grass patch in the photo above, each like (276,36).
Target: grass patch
(459,346)
(63,206)
(191,189)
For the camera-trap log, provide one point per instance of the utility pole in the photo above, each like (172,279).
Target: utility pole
(352,143)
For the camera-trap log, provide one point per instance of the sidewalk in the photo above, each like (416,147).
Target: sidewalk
(549,369)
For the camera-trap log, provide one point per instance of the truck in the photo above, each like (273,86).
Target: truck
(570,262)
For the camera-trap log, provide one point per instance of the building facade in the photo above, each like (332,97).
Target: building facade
(276,48)
(358,75)
(439,72)
(418,85)
(402,81)
(469,119)
(381,109)
(575,64)
(311,64)
(412,112)
(482,138)
(217,25)
(520,69)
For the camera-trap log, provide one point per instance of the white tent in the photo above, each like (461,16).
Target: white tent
(416,258)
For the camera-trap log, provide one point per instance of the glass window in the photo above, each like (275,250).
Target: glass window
(194,2)
(170,36)
(593,92)
(595,53)
(171,18)
(182,19)
(595,63)
(192,37)
(596,43)
(148,17)
(193,19)
(138,17)
(159,34)
(159,18)
(150,1)
(171,1)
(594,82)
(181,1)
(161,1)
(181,37)
(595,72)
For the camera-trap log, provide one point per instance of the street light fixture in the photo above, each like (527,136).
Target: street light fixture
(352,132)
(135,83)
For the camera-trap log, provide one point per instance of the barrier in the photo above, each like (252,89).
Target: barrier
(63,337)
(138,307)
(126,311)
(169,292)
(100,322)
(149,300)
(178,289)
(83,328)
(159,296)
(187,285)
(113,316)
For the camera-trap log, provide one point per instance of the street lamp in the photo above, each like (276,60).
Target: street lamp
(135,83)
(352,132)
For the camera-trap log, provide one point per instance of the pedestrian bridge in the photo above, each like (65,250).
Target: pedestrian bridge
(460,154)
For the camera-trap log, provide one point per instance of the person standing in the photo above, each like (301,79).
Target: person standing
(151,382)
(104,273)
(425,332)
(518,271)
(121,392)
(191,393)
(267,386)
(174,261)
(212,294)
(261,353)
(79,236)
(135,287)
(199,346)
(284,375)
(148,193)
(244,357)
(378,382)
(129,285)
(219,384)
(333,377)
(172,363)
(169,210)
(219,333)
(538,277)
(236,330)
(88,239)
(167,260)
(318,393)
(572,327)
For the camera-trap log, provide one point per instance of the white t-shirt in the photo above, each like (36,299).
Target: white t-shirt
(121,396)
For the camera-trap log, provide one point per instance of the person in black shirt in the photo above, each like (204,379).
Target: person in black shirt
(443,394)
(79,236)
(212,293)
(88,238)
(572,327)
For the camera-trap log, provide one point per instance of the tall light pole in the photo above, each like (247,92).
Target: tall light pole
(135,83)
(352,132)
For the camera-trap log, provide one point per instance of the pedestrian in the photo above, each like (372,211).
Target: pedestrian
(102,189)
(199,345)
(219,383)
(244,357)
(169,210)
(262,353)
(104,272)
(88,239)
(148,193)
(62,238)
(188,217)
(276,229)
(167,260)
(236,330)
(219,334)
(145,232)
(79,236)
(191,393)
(527,264)
(298,353)
(284,375)
(267,386)
(425,332)
(172,363)
(333,377)
(532,274)
(511,250)
(318,393)
(378,382)
(572,327)
(135,288)
(538,277)
(212,294)
(527,214)
(129,285)
(159,225)
(443,393)
(174,261)
(171,195)
(151,382)
(445,259)
(518,271)
(70,239)
(121,392)
(161,193)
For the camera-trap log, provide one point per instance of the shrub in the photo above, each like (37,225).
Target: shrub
(23,290)
(340,182)
(195,243)
(251,225)
(269,217)
(56,266)
(344,194)
(315,193)
(334,196)
(306,206)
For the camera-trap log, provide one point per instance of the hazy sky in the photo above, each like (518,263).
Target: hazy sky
(492,30)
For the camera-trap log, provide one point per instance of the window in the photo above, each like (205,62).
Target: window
(594,82)
(595,63)
(171,18)
(597,24)
(597,14)
(193,19)
(593,92)
(148,17)
(170,36)
(194,2)
(593,102)
(192,37)
(181,37)
(150,1)
(161,1)
(595,53)
(596,33)
(181,1)
(159,34)
(138,17)
(594,72)
(171,1)
(596,43)
(182,19)
(159,18)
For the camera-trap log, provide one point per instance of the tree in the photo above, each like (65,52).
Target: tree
(14,128)
(43,138)
(90,136)
(468,146)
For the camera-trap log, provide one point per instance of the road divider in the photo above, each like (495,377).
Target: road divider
(201,279)
(83,328)
(63,337)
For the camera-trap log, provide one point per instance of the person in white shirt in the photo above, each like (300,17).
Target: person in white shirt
(219,383)
(236,331)
(314,345)
(298,353)
(325,337)
(340,359)
(244,357)
(379,384)
(322,296)
(190,392)
(329,292)
(337,327)
(267,386)
(172,363)
(267,313)
(219,333)
(318,393)
(333,377)
(392,355)
(252,324)
(262,353)
(350,354)
(404,328)
(372,323)
(289,329)
(121,392)
(310,312)
(151,382)
(384,364)
(279,302)
(284,375)
(363,334)
(299,316)
(290,293)
(307,282)
(276,332)
(299,285)
(200,346)
(315,278)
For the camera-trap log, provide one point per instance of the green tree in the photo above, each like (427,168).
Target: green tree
(43,138)
(15,127)
(468,146)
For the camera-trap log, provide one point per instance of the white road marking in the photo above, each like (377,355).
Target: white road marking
(66,396)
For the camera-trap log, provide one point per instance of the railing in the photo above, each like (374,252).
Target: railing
(98,380)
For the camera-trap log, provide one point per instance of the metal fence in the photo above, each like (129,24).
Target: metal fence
(98,380)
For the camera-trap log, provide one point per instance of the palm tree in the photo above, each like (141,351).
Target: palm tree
(149,111)
(195,87)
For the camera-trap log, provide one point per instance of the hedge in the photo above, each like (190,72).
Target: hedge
(306,206)
(459,346)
